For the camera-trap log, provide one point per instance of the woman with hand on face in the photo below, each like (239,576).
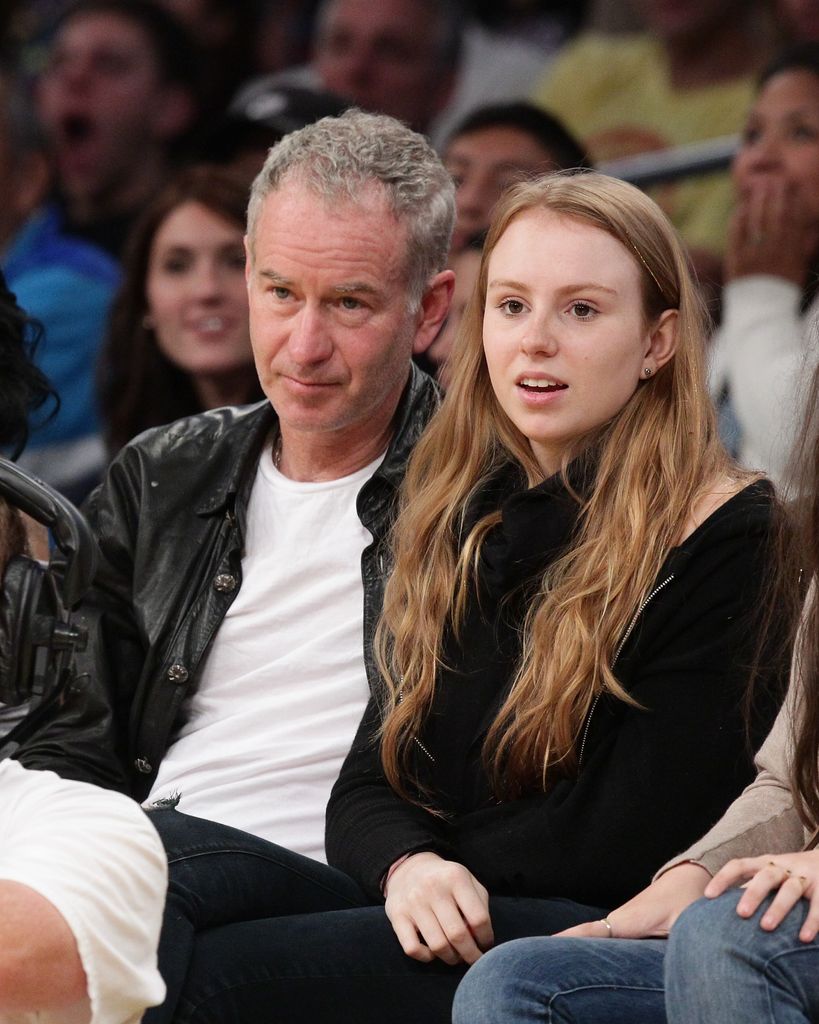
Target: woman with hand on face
(179,340)
(567,631)
(764,350)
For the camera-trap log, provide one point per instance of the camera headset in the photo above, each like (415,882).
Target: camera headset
(38,632)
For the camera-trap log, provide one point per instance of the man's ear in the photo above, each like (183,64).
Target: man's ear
(433,310)
(662,342)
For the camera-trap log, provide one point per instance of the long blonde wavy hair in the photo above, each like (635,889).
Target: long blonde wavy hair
(654,458)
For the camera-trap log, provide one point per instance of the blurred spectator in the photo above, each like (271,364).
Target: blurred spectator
(495,146)
(283,33)
(767,344)
(223,31)
(800,18)
(66,283)
(689,77)
(179,340)
(118,91)
(466,265)
(259,119)
(422,61)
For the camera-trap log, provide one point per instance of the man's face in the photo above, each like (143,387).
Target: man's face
(330,319)
(383,57)
(101,98)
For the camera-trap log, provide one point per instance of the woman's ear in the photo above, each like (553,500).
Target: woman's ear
(662,341)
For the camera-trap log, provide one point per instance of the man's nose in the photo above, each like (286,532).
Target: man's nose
(309,340)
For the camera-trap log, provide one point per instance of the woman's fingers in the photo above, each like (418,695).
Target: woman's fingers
(438,909)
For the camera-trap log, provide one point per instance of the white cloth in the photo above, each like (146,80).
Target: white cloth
(284,686)
(765,352)
(96,858)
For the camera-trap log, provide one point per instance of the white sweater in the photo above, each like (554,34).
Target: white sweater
(765,352)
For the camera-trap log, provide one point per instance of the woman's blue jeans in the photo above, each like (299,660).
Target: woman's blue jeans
(721,967)
(257,934)
(716,968)
(565,981)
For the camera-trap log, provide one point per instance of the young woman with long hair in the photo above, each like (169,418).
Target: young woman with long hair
(728,929)
(568,630)
(179,341)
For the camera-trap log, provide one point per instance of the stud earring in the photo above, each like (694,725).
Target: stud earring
(647,371)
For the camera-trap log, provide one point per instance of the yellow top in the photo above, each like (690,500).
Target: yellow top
(614,93)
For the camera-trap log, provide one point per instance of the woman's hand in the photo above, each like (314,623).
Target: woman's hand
(791,875)
(652,912)
(770,233)
(438,909)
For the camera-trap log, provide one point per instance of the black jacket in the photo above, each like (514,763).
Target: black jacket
(170,519)
(650,778)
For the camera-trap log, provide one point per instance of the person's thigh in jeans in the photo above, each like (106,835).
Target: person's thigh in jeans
(344,967)
(723,967)
(218,875)
(565,981)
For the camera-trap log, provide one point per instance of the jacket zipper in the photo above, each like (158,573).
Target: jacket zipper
(415,739)
(617,653)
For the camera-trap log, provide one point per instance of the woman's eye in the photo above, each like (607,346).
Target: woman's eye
(582,310)
(512,307)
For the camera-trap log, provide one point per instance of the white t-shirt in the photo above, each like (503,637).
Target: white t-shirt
(96,858)
(284,686)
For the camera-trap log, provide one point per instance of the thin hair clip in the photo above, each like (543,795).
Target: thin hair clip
(639,256)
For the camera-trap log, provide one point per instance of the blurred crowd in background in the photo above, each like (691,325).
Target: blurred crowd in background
(130,131)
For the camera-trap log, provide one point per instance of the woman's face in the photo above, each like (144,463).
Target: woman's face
(482,163)
(564,332)
(781,138)
(196,293)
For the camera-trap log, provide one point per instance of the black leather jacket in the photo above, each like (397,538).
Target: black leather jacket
(170,519)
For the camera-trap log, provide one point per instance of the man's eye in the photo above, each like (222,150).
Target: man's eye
(176,265)
(348,302)
(281,293)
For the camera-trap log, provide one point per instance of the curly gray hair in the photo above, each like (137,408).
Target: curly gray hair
(338,156)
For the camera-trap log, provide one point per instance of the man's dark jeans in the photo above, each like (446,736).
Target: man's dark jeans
(256,934)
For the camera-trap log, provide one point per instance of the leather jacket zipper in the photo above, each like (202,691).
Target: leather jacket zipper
(617,653)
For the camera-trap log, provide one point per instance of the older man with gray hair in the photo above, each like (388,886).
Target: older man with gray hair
(244,550)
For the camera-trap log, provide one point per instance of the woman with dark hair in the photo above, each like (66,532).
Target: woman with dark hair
(764,350)
(23,388)
(496,146)
(179,339)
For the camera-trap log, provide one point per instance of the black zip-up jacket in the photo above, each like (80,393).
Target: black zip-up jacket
(651,778)
(170,520)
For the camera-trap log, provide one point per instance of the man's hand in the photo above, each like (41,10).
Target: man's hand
(791,875)
(652,912)
(438,909)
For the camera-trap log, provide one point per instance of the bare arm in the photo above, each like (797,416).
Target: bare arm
(40,966)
